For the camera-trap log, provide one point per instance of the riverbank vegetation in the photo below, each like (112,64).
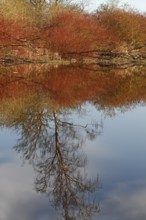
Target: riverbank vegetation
(54,30)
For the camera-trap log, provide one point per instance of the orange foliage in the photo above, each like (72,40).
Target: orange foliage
(17,36)
(70,31)
(129,27)
(74,32)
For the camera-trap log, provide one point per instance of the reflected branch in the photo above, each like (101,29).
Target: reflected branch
(54,149)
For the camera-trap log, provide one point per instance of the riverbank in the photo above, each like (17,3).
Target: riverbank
(103,58)
(108,58)
(10,60)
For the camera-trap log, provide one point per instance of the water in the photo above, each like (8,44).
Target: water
(72,143)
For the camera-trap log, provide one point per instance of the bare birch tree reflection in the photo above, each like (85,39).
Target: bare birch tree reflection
(54,147)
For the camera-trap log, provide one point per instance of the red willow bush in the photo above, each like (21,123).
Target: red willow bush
(72,31)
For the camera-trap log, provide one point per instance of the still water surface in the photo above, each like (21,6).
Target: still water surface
(73,143)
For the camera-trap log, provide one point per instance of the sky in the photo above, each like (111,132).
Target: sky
(138,4)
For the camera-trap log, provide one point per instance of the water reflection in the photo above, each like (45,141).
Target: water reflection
(36,105)
(70,86)
(54,148)
(53,145)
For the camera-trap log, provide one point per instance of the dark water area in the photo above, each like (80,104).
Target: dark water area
(72,143)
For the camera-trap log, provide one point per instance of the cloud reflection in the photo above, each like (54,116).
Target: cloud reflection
(127,200)
(17,198)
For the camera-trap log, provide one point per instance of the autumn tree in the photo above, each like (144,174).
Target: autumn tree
(64,27)
(73,32)
(126,24)
(16,21)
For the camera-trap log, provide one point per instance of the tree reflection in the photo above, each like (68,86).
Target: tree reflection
(31,102)
(54,147)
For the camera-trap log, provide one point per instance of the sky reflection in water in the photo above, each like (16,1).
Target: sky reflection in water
(113,144)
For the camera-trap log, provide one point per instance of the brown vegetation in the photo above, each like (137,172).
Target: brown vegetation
(28,28)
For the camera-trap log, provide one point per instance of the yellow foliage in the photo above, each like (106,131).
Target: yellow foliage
(16,9)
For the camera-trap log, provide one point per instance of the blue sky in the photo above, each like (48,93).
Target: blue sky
(138,4)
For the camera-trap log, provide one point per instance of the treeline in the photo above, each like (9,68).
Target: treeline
(63,27)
